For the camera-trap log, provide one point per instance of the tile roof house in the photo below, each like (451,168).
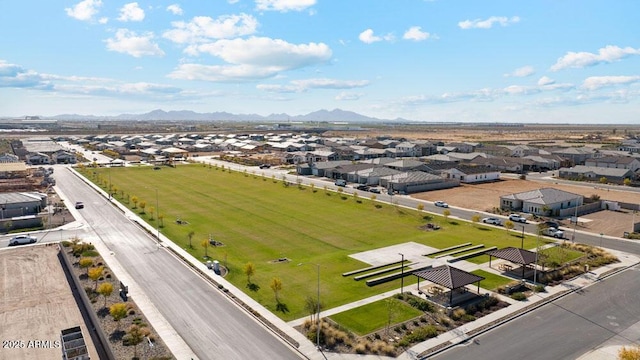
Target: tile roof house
(543,202)
(619,162)
(593,173)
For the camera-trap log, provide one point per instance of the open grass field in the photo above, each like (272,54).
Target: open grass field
(491,281)
(360,321)
(259,220)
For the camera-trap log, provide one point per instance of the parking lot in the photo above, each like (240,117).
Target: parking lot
(485,197)
(36,304)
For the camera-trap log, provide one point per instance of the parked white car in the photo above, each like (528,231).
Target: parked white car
(441,204)
(517,218)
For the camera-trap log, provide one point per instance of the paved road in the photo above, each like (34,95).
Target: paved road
(566,328)
(212,326)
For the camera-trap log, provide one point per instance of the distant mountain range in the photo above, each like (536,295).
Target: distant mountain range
(335,115)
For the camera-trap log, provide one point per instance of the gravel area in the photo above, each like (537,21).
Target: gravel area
(115,331)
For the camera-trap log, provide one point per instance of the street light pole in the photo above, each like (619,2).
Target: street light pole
(402,274)
(535,269)
(157,215)
(318,306)
(522,238)
(601,235)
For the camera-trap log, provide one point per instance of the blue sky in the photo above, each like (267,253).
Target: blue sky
(546,61)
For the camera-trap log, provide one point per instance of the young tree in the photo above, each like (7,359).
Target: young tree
(135,335)
(85,263)
(420,207)
(205,245)
(311,305)
(118,312)
(151,211)
(143,204)
(276,286)
(509,225)
(475,218)
(392,311)
(249,270)
(446,213)
(95,273)
(134,200)
(161,219)
(105,289)
(190,236)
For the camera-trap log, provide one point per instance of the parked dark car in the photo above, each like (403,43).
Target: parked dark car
(362,187)
(265,166)
(374,190)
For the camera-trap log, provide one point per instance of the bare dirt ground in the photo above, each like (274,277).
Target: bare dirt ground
(36,304)
(485,197)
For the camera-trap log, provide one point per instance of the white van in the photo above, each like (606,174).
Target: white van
(340,182)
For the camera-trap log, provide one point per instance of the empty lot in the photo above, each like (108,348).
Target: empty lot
(36,304)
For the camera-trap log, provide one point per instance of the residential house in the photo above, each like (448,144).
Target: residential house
(64,157)
(593,173)
(35,158)
(542,202)
(416,181)
(618,162)
(469,174)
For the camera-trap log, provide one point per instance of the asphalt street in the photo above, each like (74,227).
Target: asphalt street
(566,328)
(211,325)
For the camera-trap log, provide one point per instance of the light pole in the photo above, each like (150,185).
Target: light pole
(601,235)
(575,224)
(535,268)
(522,238)
(317,308)
(401,274)
(157,215)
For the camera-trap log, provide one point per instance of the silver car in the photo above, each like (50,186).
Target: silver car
(22,240)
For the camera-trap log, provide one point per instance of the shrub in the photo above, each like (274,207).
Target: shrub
(458,314)
(421,334)
(539,288)
(518,296)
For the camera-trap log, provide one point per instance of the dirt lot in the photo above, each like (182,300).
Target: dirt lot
(484,197)
(36,304)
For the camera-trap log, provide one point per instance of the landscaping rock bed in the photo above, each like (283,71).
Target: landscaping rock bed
(151,347)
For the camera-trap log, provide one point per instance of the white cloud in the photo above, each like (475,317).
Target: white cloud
(284,5)
(545,81)
(131,12)
(367,37)
(103,20)
(204,28)
(329,83)
(348,96)
(251,59)
(607,54)
(522,72)
(15,76)
(175,9)
(415,33)
(298,86)
(265,52)
(128,42)
(217,73)
(488,23)
(84,10)
(597,82)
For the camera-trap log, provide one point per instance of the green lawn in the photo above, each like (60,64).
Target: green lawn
(491,281)
(259,220)
(375,316)
(559,255)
